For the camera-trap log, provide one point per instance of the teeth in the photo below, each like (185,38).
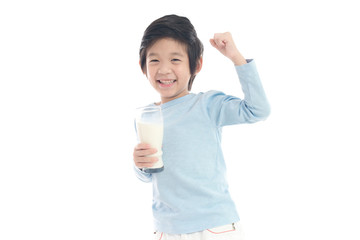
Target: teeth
(167,82)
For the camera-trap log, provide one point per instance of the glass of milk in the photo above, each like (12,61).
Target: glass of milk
(150,130)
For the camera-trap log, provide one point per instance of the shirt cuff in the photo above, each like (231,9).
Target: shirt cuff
(248,68)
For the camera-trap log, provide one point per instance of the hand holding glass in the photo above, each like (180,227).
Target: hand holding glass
(150,129)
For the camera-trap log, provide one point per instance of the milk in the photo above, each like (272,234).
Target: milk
(152,133)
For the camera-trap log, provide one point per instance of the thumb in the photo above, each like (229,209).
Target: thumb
(218,44)
(212,42)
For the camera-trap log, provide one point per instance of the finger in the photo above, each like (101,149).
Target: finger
(146,159)
(142,146)
(215,44)
(143,153)
(212,42)
(145,165)
(221,43)
(146,162)
(219,39)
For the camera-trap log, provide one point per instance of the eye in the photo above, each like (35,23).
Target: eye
(175,60)
(154,60)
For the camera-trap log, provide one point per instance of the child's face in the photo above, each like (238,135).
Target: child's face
(167,68)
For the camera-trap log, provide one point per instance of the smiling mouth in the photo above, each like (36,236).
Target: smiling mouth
(166,83)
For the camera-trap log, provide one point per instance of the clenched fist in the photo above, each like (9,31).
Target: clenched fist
(226,45)
(141,152)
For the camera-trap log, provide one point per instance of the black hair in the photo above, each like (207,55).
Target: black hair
(178,28)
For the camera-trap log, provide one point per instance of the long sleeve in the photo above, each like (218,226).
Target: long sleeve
(145,177)
(192,193)
(227,110)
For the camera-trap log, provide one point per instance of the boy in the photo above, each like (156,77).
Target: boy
(190,197)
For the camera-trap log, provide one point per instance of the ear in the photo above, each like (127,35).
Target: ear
(144,72)
(199,65)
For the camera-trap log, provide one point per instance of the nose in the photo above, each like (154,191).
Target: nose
(164,68)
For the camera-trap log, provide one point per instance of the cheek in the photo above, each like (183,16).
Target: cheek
(150,71)
(184,73)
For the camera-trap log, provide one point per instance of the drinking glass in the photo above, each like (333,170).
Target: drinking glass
(150,130)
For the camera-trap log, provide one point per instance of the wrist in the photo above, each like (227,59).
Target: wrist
(238,60)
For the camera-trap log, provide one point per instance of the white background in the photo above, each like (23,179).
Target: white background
(70,79)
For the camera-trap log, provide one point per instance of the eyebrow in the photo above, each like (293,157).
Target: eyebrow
(172,54)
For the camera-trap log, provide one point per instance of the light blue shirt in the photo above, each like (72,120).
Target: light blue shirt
(191,194)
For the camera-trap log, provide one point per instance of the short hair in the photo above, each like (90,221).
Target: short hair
(178,28)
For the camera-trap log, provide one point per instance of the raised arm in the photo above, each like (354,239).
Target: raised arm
(228,110)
